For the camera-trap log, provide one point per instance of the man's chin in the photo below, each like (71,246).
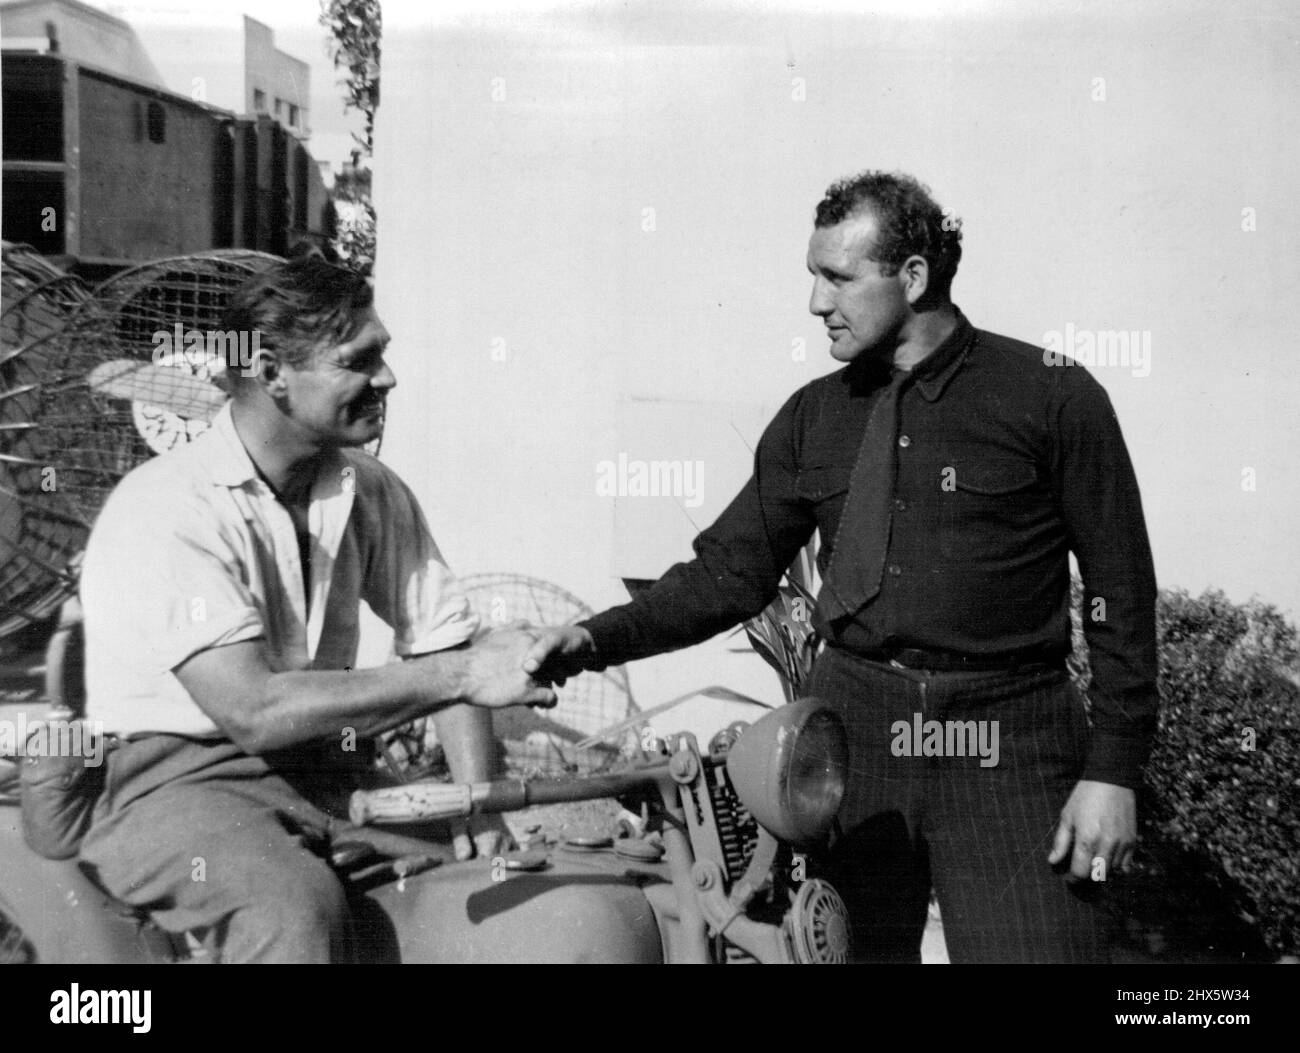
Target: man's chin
(361,431)
(843,351)
(862,357)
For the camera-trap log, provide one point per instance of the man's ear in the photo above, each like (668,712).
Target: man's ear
(268,370)
(915,275)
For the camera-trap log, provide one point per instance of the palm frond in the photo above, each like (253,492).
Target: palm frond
(783,634)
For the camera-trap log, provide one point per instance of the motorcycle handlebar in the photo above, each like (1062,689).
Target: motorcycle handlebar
(425,801)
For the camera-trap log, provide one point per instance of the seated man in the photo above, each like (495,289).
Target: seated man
(221,588)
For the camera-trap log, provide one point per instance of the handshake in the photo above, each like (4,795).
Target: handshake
(521,665)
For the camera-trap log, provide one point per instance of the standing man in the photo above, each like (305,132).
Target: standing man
(221,589)
(950,472)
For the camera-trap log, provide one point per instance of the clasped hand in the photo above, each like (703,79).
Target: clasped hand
(515,665)
(519,664)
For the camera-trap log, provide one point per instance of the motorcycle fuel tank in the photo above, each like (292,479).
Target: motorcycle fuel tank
(50,911)
(589,908)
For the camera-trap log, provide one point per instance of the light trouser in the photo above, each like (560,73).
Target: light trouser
(206,837)
(979,831)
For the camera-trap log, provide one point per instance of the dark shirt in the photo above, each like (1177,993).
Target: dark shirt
(1005,466)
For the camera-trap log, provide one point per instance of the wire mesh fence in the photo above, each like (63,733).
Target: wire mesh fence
(86,395)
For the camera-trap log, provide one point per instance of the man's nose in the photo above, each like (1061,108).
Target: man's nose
(384,378)
(820,303)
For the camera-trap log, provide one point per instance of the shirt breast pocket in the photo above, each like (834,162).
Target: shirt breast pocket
(995,478)
(984,506)
(825,489)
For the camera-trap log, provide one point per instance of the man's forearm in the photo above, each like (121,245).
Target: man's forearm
(670,616)
(1122,654)
(1120,630)
(314,705)
(738,562)
(260,709)
(732,578)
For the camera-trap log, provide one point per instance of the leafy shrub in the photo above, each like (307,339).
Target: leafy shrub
(1222,788)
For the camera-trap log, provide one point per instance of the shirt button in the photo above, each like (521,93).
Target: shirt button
(900,505)
(895,569)
(904,441)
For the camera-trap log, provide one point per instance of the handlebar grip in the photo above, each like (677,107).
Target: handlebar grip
(416,802)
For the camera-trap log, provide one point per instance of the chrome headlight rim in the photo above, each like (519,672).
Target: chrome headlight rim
(790,770)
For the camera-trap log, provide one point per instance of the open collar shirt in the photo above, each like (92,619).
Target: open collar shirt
(193,551)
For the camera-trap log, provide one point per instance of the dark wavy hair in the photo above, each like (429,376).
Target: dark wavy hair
(910,222)
(297,306)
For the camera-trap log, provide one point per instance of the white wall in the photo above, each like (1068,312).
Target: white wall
(529,302)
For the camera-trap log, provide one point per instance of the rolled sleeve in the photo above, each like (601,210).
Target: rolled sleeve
(160,583)
(409,585)
(201,602)
(158,591)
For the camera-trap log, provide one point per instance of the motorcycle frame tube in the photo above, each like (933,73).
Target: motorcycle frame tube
(681,862)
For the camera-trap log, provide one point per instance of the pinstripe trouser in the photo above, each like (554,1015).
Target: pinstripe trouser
(979,832)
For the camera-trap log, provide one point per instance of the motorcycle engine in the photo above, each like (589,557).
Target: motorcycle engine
(737,829)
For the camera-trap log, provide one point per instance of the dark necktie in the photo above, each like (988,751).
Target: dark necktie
(862,538)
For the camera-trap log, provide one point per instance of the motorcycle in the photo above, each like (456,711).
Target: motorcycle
(712,872)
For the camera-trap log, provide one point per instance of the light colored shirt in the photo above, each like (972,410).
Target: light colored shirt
(193,551)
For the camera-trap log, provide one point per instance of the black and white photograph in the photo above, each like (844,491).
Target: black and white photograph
(539,482)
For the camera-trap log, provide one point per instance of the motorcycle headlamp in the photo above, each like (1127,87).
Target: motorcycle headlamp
(789,770)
